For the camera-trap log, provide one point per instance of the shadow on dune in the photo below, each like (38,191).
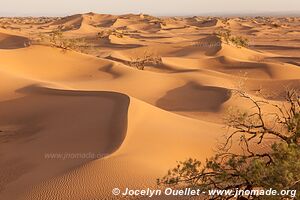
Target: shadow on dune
(194,97)
(108,43)
(175,28)
(274,47)
(254,69)
(100,43)
(12,41)
(288,59)
(40,103)
(87,124)
(208,46)
(139,36)
(109,69)
(162,68)
(207,23)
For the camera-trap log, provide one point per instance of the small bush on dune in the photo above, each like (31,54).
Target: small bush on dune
(276,25)
(56,39)
(225,20)
(147,58)
(107,33)
(224,34)
(258,58)
(239,41)
(227,37)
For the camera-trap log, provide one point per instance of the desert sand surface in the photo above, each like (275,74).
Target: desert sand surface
(136,91)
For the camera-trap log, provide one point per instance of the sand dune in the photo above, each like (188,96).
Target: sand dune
(8,41)
(211,98)
(150,150)
(88,122)
(125,126)
(74,20)
(255,69)
(48,64)
(84,23)
(206,23)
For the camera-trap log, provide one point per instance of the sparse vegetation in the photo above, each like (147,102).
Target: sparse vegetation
(56,39)
(147,58)
(154,20)
(276,165)
(158,21)
(275,25)
(239,41)
(227,37)
(28,20)
(107,33)
(258,58)
(225,20)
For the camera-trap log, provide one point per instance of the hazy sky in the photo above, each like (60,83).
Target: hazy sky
(154,7)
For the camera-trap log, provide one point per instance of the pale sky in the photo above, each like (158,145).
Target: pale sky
(154,7)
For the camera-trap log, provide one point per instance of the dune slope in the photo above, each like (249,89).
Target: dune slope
(77,122)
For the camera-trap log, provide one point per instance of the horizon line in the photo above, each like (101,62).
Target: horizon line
(208,14)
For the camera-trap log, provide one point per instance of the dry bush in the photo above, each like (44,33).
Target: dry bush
(258,58)
(107,33)
(154,20)
(225,20)
(157,21)
(275,25)
(147,58)
(239,41)
(276,165)
(226,36)
(56,39)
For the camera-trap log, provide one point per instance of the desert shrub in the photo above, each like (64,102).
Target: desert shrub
(275,25)
(147,58)
(107,33)
(258,58)
(224,34)
(56,39)
(239,41)
(276,165)
(224,20)
(227,37)
(157,21)
(154,20)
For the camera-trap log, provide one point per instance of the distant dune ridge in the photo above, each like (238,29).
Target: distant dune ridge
(138,92)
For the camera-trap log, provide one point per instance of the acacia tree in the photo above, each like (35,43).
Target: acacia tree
(252,167)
